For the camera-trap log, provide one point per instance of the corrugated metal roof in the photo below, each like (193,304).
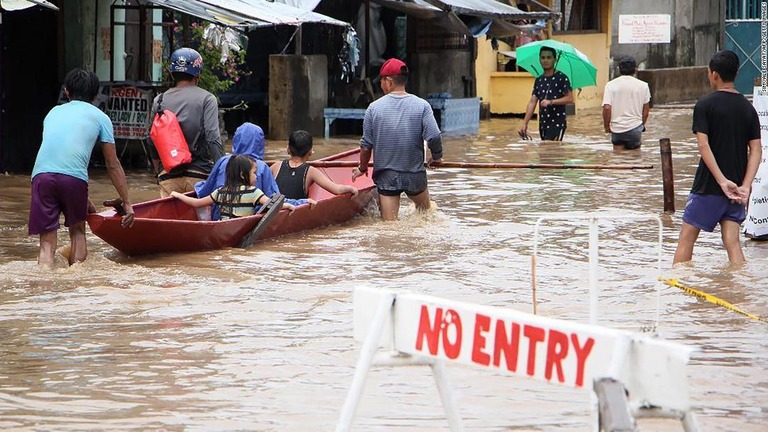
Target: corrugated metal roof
(492,9)
(502,16)
(476,8)
(10,5)
(247,14)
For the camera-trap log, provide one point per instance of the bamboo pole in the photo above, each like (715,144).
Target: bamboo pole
(491,165)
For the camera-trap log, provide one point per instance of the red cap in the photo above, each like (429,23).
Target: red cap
(392,67)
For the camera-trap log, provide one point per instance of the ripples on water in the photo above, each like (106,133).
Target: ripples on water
(262,339)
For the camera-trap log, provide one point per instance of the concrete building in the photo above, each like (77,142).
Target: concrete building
(697,32)
(586,24)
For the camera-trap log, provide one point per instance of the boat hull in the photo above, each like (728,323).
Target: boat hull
(168,225)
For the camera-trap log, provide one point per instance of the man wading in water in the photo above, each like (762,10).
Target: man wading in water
(552,91)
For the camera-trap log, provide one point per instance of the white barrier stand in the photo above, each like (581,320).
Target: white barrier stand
(593,220)
(419,329)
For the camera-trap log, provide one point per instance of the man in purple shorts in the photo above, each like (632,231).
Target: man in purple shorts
(395,128)
(727,130)
(60,175)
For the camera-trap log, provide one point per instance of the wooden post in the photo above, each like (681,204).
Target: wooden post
(668,176)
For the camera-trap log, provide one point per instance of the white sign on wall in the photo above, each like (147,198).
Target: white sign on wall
(645,28)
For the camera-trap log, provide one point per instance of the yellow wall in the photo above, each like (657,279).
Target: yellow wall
(485,64)
(597,47)
(509,92)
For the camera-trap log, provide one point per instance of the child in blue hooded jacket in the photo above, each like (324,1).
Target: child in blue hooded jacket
(248,140)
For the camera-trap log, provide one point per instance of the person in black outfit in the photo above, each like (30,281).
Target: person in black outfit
(552,91)
(727,130)
(295,176)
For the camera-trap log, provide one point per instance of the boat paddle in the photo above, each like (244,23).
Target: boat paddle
(270,209)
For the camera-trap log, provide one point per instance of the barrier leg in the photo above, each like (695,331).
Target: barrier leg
(689,422)
(614,413)
(327,127)
(451,412)
(367,353)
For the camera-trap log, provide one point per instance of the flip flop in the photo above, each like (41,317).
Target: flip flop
(270,209)
(524,135)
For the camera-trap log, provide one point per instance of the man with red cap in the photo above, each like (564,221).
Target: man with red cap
(394,130)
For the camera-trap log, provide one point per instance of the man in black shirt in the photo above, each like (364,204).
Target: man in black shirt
(727,130)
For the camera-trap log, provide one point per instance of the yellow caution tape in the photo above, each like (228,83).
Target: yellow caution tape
(712,299)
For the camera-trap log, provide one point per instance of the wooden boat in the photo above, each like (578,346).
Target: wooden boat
(169,225)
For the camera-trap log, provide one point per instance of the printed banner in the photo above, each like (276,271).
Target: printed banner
(756,224)
(644,28)
(129,108)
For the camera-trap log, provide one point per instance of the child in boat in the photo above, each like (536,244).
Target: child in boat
(238,197)
(294,176)
(248,140)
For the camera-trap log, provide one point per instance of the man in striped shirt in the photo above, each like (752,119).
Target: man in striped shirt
(394,130)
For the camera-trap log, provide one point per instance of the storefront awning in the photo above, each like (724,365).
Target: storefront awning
(499,17)
(10,5)
(247,14)
(493,9)
(476,8)
(416,8)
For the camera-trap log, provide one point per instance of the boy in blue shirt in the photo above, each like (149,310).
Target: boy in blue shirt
(60,175)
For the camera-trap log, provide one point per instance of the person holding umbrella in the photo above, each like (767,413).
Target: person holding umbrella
(552,92)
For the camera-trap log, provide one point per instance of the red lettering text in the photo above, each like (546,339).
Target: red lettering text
(557,349)
(430,332)
(452,349)
(507,346)
(582,352)
(482,324)
(534,335)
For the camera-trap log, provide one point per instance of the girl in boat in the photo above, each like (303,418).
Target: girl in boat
(248,140)
(294,176)
(238,197)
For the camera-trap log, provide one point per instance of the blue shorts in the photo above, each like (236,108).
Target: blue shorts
(706,211)
(53,194)
(393,183)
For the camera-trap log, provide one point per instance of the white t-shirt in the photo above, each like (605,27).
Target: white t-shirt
(626,95)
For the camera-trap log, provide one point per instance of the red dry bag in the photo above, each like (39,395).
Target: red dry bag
(168,138)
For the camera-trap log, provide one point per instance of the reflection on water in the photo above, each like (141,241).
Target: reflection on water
(261,339)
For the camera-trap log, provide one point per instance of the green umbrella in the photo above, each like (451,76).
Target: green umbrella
(569,60)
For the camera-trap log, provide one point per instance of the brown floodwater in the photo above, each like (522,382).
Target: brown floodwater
(261,339)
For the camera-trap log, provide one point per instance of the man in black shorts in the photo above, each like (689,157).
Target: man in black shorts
(394,130)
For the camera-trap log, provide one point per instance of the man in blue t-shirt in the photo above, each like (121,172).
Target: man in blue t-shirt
(552,91)
(60,175)
(395,128)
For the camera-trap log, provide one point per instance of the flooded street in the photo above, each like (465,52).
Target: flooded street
(261,339)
